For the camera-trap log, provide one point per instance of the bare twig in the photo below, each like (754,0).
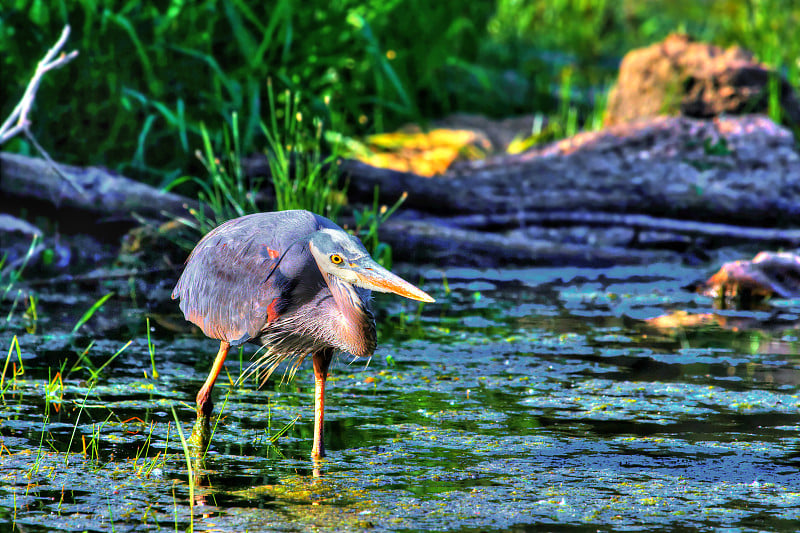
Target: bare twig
(18,120)
(20,113)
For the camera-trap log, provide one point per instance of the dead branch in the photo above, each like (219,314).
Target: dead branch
(19,116)
(18,121)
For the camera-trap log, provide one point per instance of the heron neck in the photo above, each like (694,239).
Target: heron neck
(353,325)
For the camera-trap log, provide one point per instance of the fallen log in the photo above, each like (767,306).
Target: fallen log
(727,180)
(99,191)
(423,241)
(728,232)
(732,170)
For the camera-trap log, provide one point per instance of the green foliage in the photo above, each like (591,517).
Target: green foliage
(226,193)
(85,363)
(150,74)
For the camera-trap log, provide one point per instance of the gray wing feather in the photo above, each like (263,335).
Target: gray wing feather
(224,288)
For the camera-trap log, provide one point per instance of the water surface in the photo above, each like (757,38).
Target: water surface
(522,400)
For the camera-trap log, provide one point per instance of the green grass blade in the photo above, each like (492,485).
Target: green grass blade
(91,311)
(189,468)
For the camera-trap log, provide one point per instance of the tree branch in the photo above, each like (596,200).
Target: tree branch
(18,120)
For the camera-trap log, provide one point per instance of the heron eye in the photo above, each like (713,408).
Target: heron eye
(336,259)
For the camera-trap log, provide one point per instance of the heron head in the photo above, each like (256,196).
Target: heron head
(342,255)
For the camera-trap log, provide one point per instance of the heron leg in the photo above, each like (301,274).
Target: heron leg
(204,404)
(321,360)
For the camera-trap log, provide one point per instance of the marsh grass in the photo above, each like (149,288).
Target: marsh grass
(91,451)
(31,315)
(303,177)
(75,426)
(15,372)
(85,363)
(143,453)
(151,351)
(272,438)
(228,194)
(10,275)
(190,472)
(89,313)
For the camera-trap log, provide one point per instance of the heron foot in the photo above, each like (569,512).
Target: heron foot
(201,433)
(318,453)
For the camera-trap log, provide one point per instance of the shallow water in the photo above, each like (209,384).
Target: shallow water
(522,400)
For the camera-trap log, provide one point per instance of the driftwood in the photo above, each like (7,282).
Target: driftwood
(693,183)
(101,192)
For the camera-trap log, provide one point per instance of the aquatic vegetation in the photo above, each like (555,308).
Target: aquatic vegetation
(226,193)
(84,363)
(151,350)
(15,371)
(190,471)
(90,312)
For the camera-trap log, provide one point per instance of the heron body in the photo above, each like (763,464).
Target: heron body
(291,281)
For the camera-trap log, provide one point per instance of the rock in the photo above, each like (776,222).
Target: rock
(18,239)
(157,246)
(26,248)
(767,274)
(680,76)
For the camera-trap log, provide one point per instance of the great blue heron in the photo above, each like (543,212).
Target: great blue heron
(292,281)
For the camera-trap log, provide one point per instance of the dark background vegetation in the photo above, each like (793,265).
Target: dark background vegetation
(150,73)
